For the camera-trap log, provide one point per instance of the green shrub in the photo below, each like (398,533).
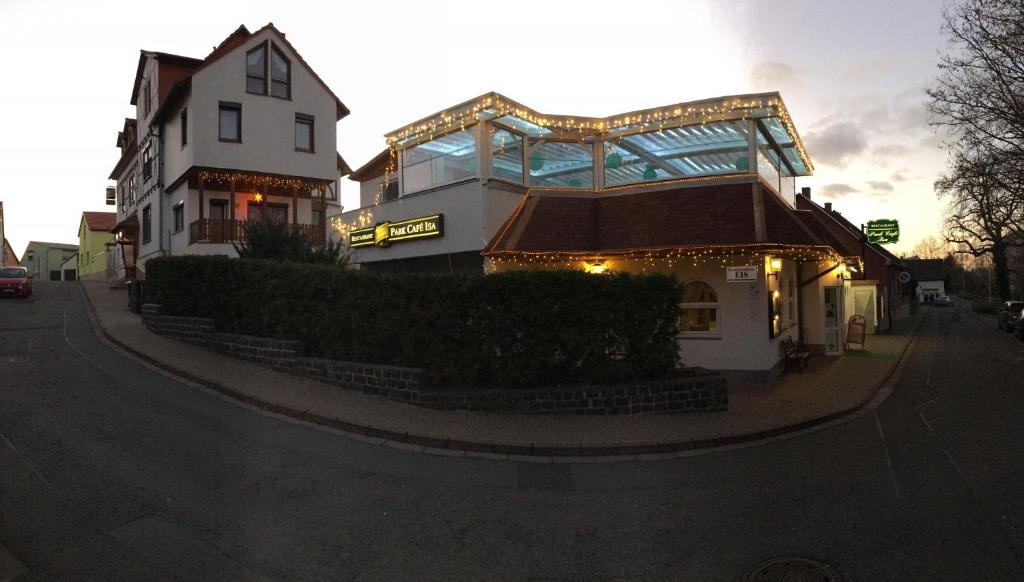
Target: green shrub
(277,241)
(517,329)
(981,306)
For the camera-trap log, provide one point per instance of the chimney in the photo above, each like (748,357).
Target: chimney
(806,192)
(828,207)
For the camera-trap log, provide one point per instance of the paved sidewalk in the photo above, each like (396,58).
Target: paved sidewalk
(830,387)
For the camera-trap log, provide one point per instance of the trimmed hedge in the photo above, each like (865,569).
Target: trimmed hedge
(510,330)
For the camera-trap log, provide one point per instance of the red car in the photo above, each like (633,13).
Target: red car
(15,281)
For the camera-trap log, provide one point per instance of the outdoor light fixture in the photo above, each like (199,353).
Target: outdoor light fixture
(257,198)
(595,267)
(776,265)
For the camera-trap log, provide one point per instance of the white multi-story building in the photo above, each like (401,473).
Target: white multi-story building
(249,131)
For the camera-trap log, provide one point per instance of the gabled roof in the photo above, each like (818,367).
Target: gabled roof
(103,221)
(805,203)
(187,62)
(10,259)
(343,167)
(52,245)
(190,66)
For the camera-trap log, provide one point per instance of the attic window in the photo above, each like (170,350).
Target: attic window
(256,70)
(280,74)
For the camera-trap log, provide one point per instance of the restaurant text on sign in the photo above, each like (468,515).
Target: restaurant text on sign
(386,233)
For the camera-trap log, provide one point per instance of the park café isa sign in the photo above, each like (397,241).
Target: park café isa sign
(883,231)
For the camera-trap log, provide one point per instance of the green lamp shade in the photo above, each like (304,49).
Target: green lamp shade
(613,160)
(536,162)
(575,183)
(650,173)
(742,163)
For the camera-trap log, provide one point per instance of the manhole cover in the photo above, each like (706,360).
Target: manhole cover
(13,360)
(792,570)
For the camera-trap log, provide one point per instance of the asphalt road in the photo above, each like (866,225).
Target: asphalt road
(110,470)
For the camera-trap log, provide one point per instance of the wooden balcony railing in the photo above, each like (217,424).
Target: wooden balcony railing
(214,230)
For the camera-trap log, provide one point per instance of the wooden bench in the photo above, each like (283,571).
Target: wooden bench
(795,355)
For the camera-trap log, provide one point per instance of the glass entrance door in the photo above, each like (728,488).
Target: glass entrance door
(834,321)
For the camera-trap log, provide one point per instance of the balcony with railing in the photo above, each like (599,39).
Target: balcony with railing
(216,230)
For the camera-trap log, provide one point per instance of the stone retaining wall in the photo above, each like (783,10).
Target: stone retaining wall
(690,391)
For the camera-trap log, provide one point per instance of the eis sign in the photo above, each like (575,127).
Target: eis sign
(386,233)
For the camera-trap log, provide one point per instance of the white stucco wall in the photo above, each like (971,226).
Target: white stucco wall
(268,123)
(935,288)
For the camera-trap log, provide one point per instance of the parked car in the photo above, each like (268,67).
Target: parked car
(942,301)
(1008,314)
(15,281)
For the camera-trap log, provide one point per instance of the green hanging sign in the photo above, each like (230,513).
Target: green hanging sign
(884,231)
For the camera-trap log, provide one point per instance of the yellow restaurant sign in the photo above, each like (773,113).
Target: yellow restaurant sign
(386,233)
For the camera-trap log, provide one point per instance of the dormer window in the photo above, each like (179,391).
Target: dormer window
(280,74)
(256,70)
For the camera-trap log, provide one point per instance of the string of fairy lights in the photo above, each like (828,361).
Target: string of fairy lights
(262,180)
(494,105)
(659,258)
(695,113)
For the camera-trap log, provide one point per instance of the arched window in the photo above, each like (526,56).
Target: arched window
(699,313)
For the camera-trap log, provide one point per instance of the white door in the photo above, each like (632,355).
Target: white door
(834,317)
(864,304)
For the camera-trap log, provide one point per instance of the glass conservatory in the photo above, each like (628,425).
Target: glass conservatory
(493,137)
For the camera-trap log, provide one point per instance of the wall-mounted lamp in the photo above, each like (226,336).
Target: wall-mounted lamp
(841,271)
(776,265)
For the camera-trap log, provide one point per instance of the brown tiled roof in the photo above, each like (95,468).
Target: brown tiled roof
(713,215)
(100,220)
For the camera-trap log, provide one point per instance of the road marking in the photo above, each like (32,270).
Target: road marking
(888,457)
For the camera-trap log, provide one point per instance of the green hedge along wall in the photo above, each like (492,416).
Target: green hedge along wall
(510,330)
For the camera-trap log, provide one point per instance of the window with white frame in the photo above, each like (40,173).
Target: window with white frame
(179,217)
(699,310)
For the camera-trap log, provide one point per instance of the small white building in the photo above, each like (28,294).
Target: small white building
(930,276)
(247,131)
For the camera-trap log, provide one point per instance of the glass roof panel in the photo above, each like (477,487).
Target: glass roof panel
(529,128)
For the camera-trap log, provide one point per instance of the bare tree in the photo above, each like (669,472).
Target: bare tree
(981,215)
(931,247)
(980,87)
(978,97)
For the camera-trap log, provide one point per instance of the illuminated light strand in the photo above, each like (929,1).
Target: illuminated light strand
(699,113)
(262,180)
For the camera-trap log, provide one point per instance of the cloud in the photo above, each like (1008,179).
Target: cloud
(837,189)
(836,144)
(898,177)
(771,75)
(890,150)
(880,186)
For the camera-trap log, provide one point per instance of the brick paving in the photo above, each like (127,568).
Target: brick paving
(830,386)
